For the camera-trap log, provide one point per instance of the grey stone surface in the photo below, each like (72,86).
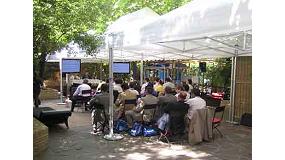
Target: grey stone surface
(77,143)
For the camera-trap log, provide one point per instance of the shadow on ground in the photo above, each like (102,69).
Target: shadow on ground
(77,143)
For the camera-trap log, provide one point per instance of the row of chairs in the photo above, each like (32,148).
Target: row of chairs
(215,120)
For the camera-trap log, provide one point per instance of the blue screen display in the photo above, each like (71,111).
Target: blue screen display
(121,67)
(71,65)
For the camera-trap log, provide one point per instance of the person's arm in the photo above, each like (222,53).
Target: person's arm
(77,91)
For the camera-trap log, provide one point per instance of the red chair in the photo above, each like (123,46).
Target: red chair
(217,119)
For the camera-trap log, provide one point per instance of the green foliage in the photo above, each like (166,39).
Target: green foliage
(122,7)
(220,72)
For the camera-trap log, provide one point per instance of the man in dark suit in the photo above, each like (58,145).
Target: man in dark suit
(175,111)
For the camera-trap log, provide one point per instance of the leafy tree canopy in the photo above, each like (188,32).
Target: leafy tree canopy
(57,22)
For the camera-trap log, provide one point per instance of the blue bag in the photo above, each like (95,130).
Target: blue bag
(120,126)
(149,131)
(137,129)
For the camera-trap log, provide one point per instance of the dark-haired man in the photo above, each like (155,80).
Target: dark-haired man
(127,94)
(135,114)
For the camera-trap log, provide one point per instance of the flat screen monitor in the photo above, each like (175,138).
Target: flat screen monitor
(121,67)
(71,65)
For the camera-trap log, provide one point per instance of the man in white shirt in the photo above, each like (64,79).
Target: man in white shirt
(195,103)
(117,85)
(77,95)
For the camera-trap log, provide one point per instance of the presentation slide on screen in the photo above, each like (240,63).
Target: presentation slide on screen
(121,67)
(71,65)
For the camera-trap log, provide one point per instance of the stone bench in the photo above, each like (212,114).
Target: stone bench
(40,137)
(49,116)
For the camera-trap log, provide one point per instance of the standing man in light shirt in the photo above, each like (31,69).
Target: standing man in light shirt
(77,95)
(195,103)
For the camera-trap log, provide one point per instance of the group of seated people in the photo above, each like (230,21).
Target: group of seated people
(130,100)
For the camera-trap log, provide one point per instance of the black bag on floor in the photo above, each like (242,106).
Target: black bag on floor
(246,119)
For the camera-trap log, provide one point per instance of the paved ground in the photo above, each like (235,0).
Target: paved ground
(77,143)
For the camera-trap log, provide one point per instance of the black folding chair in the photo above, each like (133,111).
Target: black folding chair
(217,119)
(127,102)
(99,118)
(83,101)
(152,108)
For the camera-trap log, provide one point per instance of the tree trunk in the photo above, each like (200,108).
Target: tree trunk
(38,81)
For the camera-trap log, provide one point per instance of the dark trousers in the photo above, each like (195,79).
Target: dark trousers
(74,99)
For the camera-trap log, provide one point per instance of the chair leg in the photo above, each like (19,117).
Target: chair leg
(66,123)
(164,135)
(219,132)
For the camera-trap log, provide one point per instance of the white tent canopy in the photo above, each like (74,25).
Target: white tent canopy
(125,32)
(199,29)
(203,28)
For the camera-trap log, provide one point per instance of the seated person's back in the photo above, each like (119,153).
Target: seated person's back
(195,103)
(82,87)
(102,98)
(127,94)
(79,95)
(168,97)
(177,111)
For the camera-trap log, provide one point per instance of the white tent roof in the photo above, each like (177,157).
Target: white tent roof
(203,28)
(199,29)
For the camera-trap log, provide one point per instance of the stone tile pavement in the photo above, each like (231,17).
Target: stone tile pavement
(77,143)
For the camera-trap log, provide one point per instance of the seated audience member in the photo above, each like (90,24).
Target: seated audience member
(146,83)
(169,83)
(159,86)
(179,89)
(132,89)
(102,98)
(137,86)
(127,94)
(77,95)
(156,82)
(178,106)
(162,100)
(195,103)
(117,85)
(135,114)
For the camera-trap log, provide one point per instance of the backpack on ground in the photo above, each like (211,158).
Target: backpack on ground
(149,131)
(137,129)
(246,119)
(120,126)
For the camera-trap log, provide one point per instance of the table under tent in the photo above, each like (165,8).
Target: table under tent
(199,29)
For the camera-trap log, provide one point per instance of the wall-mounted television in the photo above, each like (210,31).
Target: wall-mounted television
(121,67)
(71,65)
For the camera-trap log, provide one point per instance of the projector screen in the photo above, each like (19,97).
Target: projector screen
(121,67)
(71,65)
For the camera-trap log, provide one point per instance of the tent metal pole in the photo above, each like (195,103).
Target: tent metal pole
(61,99)
(111,136)
(61,96)
(141,71)
(233,85)
(67,85)
(244,40)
